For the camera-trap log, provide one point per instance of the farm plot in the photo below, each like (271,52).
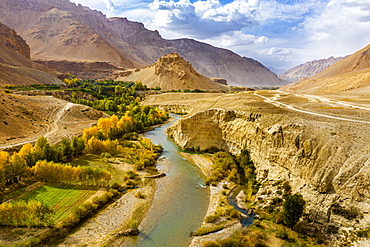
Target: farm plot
(61,198)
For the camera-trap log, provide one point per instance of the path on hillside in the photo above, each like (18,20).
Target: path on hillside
(52,129)
(54,126)
(326,100)
(273,101)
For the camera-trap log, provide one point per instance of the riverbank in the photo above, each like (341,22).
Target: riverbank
(104,227)
(205,163)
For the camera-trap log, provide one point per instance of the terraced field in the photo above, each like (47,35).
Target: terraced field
(62,198)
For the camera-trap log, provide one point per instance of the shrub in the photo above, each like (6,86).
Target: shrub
(282,234)
(207,229)
(140,195)
(293,209)
(212,218)
(349,214)
(105,155)
(211,244)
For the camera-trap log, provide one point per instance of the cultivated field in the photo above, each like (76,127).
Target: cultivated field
(61,198)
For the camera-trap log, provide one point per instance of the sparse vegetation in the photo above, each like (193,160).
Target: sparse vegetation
(293,209)
(349,214)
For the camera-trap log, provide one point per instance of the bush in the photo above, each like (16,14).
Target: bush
(293,209)
(349,214)
(282,235)
(212,218)
(105,155)
(211,244)
(208,229)
(140,195)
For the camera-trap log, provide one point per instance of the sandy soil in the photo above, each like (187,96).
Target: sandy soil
(203,162)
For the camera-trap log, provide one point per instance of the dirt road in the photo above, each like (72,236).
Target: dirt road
(274,101)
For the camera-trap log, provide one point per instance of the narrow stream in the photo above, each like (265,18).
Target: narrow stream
(180,202)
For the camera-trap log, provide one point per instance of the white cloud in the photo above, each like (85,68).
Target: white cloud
(341,29)
(237,38)
(276,32)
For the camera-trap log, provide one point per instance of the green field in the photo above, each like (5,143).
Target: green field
(61,198)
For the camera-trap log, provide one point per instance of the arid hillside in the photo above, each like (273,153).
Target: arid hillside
(346,78)
(308,69)
(16,68)
(25,118)
(58,30)
(172,72)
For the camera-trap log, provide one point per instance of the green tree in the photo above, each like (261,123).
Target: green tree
(293,209)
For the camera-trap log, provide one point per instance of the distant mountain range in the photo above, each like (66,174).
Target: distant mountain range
(308,69)
(81,41)
(350,76)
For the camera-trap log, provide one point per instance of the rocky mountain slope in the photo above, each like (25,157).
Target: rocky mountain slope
(350,76)
(58,30)
(172,72)
(16,68)
(308,69)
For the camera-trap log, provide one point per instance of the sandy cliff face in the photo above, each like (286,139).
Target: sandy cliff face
(316,156)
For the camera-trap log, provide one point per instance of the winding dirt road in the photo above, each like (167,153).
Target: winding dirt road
(274,100)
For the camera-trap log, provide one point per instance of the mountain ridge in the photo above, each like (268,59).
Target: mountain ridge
(350,77)
(16,66)
(79,34)
(308,69)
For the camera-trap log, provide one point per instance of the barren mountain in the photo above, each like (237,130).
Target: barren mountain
(172,72)
(58,30)
(308,69)
(16,68)
(350,76)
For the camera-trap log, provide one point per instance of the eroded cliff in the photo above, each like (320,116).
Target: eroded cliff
(326,161)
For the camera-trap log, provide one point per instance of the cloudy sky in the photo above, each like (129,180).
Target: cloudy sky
(277,33)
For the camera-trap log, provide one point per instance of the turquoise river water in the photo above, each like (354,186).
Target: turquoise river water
(180,203)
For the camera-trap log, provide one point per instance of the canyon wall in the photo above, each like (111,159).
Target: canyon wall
(326,161)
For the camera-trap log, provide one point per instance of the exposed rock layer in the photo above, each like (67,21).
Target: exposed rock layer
(326,167)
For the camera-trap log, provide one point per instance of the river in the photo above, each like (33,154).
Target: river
(180,203)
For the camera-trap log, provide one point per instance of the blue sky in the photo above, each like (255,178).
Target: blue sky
(277,33)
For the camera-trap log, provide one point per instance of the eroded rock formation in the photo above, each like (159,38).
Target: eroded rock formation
(326,167)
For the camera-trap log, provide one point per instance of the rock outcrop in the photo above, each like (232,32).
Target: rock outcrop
(326,167)
(16,68)
(13,41)
(172,72)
